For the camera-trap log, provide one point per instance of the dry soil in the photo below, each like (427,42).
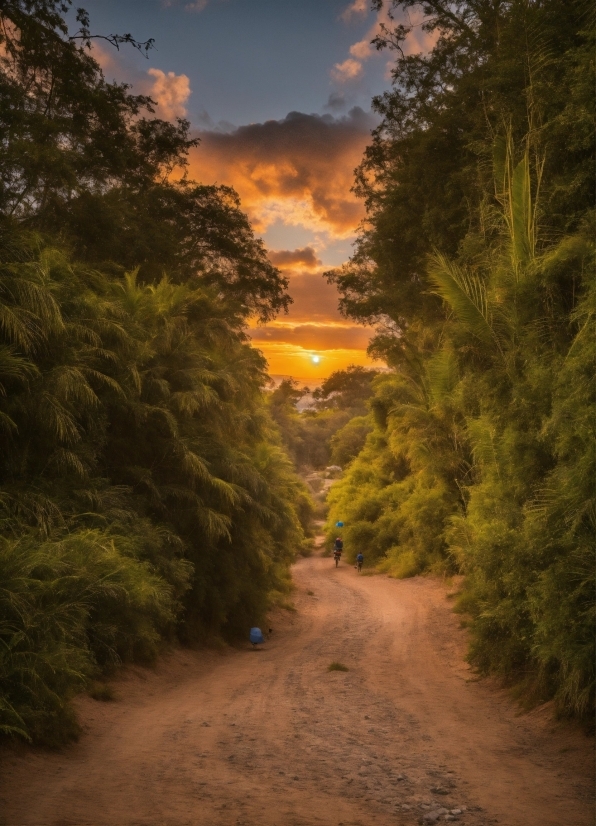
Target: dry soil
(261,737)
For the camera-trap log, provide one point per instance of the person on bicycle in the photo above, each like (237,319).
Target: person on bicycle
(337,550)
(337,555)
(359,561)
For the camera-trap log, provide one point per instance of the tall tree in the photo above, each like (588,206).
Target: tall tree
(476,263)
(144,492)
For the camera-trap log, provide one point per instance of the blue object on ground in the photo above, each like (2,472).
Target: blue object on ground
(256,636)
(339,524)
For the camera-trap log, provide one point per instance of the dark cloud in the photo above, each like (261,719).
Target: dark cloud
(305,257)
(307,161)
(336,102)
(204,119)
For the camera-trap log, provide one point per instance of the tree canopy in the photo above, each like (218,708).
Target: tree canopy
(144,491)
(476,262)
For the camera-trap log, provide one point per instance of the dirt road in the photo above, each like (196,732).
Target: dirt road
(256,738)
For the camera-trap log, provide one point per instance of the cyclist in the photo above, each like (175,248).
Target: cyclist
(337,550)
(359,561)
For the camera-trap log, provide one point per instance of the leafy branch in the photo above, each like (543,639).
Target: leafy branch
(116,40)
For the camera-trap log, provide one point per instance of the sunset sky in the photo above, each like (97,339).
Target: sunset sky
(279,92)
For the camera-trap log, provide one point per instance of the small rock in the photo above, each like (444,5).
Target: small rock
(430,817)
(439,790)
(449,817)
(205,723)
(456,811)
(295,777)
(366,717)
(436,813)
(400,777)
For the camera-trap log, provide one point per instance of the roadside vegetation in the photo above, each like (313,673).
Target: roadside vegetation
(334,427)
(476,262)
(328,434)
(145,494)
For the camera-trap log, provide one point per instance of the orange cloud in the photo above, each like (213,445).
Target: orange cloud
(170,91)
(314,336)
(357,7)
(361,50)
(313,326)
(314,298)
(305,257)
(299,170)
(418,40)
(108,60)
(350,69)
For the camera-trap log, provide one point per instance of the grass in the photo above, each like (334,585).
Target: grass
(335,666)
(102,692)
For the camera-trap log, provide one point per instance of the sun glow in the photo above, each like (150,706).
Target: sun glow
(315,359)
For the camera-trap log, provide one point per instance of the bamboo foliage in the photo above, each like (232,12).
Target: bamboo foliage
(131,411)
(482,457)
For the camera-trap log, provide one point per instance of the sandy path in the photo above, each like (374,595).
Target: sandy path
(271,737)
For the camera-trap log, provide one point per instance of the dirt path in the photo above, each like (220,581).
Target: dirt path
(251,738)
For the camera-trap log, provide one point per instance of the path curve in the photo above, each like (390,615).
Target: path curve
(271,738)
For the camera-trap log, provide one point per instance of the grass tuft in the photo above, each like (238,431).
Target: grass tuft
(335,666)
(102,692)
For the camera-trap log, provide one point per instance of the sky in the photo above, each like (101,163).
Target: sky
(279,93)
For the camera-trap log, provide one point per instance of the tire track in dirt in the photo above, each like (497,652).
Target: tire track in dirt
(271,738)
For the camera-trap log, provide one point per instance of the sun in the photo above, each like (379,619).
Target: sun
(315,359)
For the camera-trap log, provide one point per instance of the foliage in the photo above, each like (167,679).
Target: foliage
(332,430)
(308,435)
(347,389)
(144,491)
(477,259)
(347,442)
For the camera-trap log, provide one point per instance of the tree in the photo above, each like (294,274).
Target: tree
(476,262)
(427,177)
(144,491)
(346,389)
(85,160)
